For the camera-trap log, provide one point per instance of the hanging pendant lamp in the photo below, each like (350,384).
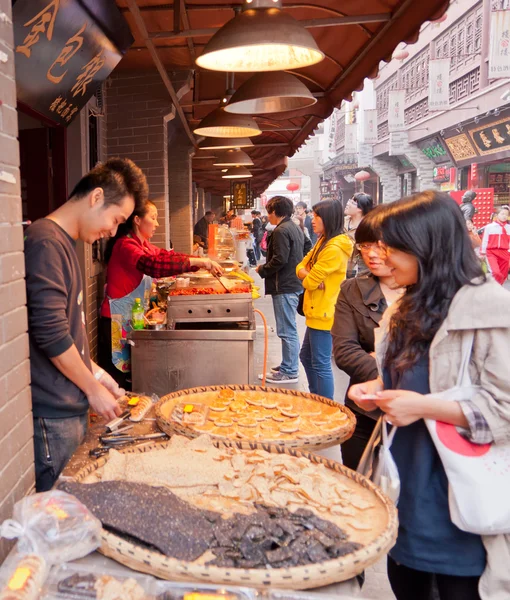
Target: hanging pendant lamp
(220,124)
(237,173)
(224,143)
(270,93)
(233,158)
(261,38)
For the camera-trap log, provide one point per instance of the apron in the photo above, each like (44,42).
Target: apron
(120,309)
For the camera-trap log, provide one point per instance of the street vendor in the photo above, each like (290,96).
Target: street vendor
(132,263)
(64,379)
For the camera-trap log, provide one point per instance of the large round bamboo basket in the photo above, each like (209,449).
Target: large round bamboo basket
(145,560)
(318,442)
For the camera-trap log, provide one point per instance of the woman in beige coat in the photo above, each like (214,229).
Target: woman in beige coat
(419,351)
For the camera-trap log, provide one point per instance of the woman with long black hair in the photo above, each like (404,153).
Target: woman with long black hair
(419,350)
(322,271)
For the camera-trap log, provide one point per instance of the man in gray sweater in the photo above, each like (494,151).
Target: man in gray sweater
(65,381)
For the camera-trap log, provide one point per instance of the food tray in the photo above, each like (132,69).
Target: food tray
(318,442)
(142,559)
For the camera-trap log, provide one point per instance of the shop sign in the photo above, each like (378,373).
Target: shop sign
(439,84)
(398,143)
(396,104)
(434,150)
(460,147)
(346,168)
(499,54)
(62,54)
(370,126)
(240,195)
(351,139)
(489,139)
(441,174)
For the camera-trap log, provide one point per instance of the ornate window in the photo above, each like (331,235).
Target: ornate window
(383,96)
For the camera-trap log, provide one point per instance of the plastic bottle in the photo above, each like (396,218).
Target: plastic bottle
(137,314)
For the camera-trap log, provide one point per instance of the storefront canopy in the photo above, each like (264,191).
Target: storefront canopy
(354,36)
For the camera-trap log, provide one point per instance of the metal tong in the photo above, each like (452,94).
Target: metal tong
(119,440)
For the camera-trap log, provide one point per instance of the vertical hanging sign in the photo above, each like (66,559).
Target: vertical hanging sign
(499,55)
(396,102)
(439,84)
(351,139)
(370,126)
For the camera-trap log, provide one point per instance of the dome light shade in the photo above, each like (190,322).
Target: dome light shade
(237,173)
(262,39)
(220,124)
(233,158)
(270,93)
(224,143)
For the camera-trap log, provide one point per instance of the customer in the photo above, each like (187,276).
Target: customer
(496,245)
(65,381)
(132,263)
(356,208)
(322,271)
(306,220)
(201,228)
(284,253)
(257,232)
(419,346)
(359,309)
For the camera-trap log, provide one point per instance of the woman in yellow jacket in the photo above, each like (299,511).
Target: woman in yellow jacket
(322,271)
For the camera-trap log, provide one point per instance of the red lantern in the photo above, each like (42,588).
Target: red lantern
(362,176)
(400,54)
(441,19)
(293,187)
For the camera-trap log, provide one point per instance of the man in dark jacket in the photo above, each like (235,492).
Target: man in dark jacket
(201,228)
(257,231)
(284,253)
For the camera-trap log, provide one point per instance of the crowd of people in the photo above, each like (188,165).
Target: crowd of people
(393,293)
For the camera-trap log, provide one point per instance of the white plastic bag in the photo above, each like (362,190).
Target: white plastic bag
(386,473)
(54,525)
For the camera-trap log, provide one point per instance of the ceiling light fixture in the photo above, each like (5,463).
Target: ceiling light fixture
(260,38)
(237,173)
(224,143)
(220,124)
(233,158)
(266,93)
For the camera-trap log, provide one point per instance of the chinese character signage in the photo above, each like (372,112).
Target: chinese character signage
(351,139)
(434,150)
(439,84)
(370,126)
(240,195)
(63,54)
(489,139)
(396,101)
(499,54)
(460,147)
(398,143)
(441,174)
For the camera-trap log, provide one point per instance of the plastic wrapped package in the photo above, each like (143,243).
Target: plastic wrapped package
(22,577)
(386,473)
(167,590)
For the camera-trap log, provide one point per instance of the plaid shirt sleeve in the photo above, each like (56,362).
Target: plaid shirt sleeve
(478,430)
(164,264)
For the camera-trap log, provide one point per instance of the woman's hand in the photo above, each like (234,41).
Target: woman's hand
(302,273)
(403,407)
(209,265)
(369,388)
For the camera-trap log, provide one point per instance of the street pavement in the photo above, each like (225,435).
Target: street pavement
(376,585)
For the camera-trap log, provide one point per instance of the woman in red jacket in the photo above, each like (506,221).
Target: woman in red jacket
(132,264)
(496,245)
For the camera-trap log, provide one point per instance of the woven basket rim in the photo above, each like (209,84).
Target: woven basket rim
(351,564)
(312,442)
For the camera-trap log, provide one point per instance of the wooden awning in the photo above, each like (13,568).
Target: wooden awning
(354,35)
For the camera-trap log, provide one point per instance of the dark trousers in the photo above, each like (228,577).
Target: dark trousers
(104,354)
(354,447)
(55,441)
(409,584)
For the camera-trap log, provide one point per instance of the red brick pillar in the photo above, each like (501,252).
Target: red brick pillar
(180,188)
(16,426)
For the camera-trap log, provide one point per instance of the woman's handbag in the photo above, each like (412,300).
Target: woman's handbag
(478,474)
(300,304)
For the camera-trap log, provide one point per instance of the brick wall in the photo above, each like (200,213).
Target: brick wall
(16,446)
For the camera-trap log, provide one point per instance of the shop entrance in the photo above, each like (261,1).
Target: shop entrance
(42,165)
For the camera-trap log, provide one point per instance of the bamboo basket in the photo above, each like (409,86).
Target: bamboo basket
(317,442)
(142,559)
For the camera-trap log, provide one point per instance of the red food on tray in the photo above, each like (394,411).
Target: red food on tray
(206,291)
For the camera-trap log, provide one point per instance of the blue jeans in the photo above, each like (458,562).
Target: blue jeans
(315,356)
(256,249)
(55,441)
(285,307)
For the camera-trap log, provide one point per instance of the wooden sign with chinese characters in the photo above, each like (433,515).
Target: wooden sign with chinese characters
(240,195)
(489,139)
(63,54)
(460,147)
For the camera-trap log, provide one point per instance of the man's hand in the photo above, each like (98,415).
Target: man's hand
(111,385)
(103,403)
(370,388)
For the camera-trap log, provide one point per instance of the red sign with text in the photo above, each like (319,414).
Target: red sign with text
(484,204)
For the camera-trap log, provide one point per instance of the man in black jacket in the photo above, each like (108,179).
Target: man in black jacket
(257,231)
(284,253)
(201,228)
